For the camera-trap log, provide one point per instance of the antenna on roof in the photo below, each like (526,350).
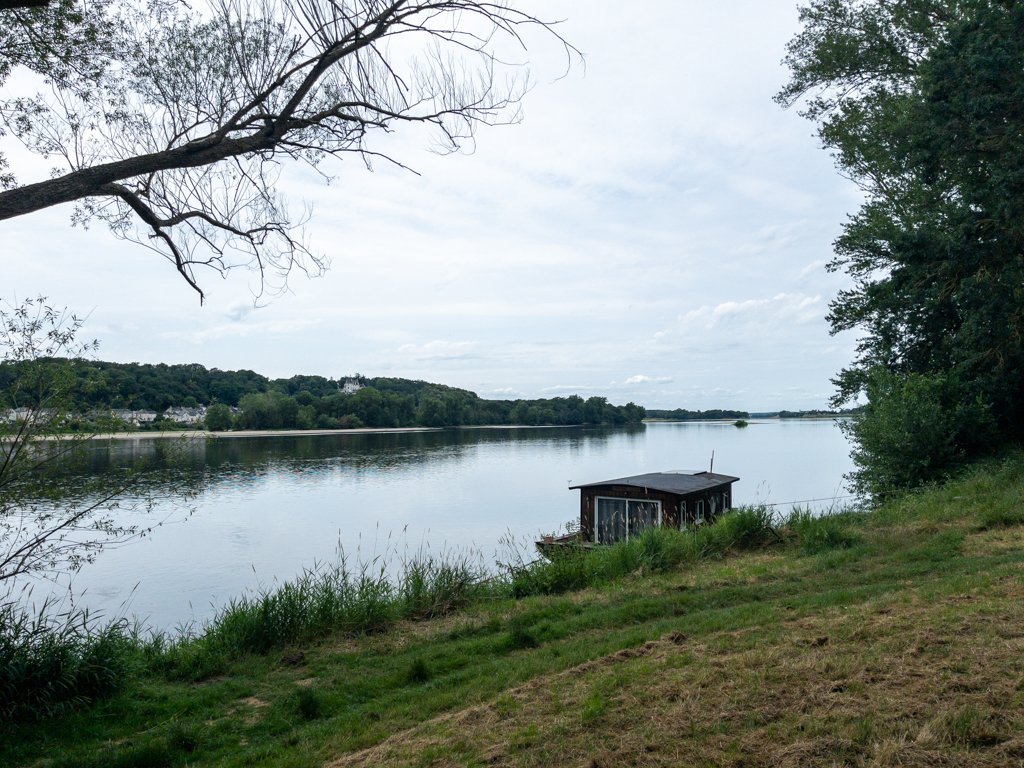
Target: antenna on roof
(712,461)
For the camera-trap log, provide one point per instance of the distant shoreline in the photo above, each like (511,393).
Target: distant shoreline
(195,434)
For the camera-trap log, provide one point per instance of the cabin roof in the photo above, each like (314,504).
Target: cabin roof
(677,481)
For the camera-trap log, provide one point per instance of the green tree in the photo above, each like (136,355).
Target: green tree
(920,101)
(431,412)
(305,417)
(911,431)
(257,411)
(267,410)
(593,410)
(218,418)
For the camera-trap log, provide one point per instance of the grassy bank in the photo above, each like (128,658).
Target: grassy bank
(884,638)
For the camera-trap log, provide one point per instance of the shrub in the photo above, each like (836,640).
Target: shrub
(914,429)
(818,533)
(418,672)
(521,633)
(739,528)
(49,663)
(429,587)
(751,527)
(569,569)
(309,703)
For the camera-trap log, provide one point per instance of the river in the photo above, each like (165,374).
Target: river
(265,508)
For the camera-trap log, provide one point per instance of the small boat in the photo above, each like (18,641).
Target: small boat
(551,543)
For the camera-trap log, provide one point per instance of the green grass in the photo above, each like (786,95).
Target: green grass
(756,609)
(53,662)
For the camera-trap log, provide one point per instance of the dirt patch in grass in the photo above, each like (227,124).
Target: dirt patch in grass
(885,684)
(252,707)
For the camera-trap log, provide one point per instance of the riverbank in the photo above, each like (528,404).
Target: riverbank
(200,434)
(889,638)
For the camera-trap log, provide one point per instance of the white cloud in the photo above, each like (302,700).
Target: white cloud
(439,350)
(753,315)
(815,267)
(260,330)
(642,379)
(239,310)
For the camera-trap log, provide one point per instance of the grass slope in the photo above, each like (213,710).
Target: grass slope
(893,638)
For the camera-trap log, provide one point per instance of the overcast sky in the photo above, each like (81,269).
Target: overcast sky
(656,230)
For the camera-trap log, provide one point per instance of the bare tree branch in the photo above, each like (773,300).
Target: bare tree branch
(49,527)
(179,138)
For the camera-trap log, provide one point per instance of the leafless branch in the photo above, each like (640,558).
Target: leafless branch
(197,109)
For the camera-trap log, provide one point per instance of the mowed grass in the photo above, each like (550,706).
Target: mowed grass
(889,638)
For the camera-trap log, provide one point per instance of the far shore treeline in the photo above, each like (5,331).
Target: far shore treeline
(682,414)
(247,400)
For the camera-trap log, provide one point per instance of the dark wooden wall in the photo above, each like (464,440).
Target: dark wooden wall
(669,503)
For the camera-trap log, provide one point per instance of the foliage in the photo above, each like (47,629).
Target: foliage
(218,418)
(816,533)
(305,402)
(49,663)
(65,41)
(309,703)
(746,527)
(170,121)
(50,526)
(914,428)
(437,586)
(45,528)
(681,414)
(655,550)
(920,102)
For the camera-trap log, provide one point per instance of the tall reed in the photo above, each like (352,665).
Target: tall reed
(50,661)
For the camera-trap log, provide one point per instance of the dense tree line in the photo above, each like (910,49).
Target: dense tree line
(681,414)
(138,386)
(817,413)
(246,400)
(921,103)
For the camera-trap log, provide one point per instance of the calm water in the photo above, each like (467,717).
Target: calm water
(267,507)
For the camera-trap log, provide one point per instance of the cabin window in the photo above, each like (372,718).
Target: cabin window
(618,519)
(698,518)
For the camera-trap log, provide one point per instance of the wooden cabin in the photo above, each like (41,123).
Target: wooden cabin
(612,510)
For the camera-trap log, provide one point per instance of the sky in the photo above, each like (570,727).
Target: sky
(654,230)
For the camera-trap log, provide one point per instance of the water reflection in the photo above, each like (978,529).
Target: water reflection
(234,456)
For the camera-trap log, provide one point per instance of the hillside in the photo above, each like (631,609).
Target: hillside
(889,638)
(141,393)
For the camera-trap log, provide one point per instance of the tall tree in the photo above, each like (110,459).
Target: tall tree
(922,102)
(170,121)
